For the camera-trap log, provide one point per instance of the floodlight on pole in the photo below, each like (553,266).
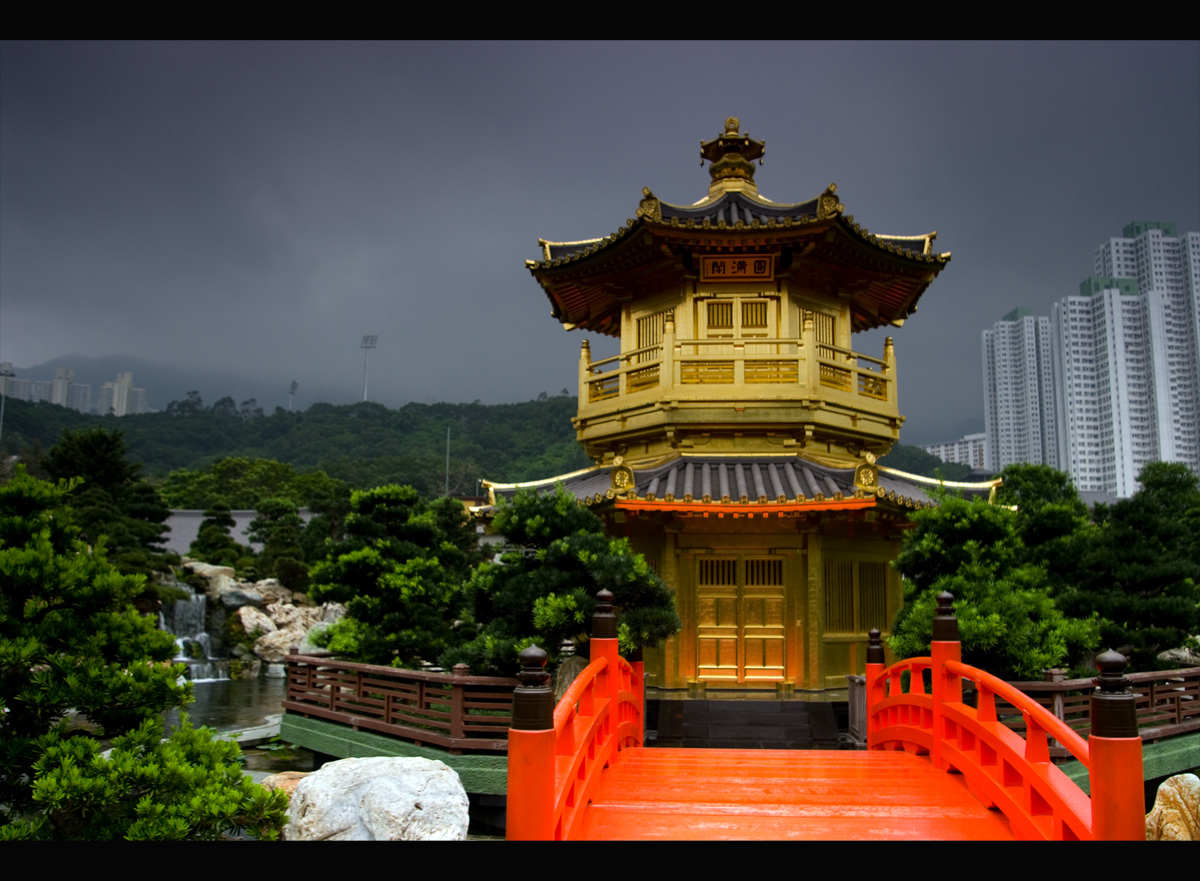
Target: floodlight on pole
(292,394)
(368,343)
(5,373)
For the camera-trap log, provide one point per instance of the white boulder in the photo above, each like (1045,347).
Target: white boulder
(379,799)
(1176,813)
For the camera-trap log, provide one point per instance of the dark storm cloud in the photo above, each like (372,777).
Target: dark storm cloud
(260,207)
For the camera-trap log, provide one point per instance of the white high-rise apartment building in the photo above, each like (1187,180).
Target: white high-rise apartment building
(120,398)
(1018,392)
(63,379)
(79,397)
(968,450)
(1127,352)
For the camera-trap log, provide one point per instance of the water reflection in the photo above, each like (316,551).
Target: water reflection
(232,704)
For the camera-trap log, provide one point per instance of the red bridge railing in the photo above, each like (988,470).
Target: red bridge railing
(556,754)
(1000,767)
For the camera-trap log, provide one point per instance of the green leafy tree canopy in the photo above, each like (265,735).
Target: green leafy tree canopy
(1008,623)
(1139,568)
(544,589)
(79,668)
(399,571)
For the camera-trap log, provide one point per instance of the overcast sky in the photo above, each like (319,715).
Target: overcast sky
(260,207)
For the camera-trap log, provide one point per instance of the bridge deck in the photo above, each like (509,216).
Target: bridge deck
(723,794)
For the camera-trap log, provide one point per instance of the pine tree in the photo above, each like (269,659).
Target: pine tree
(1008,622)
(399,571)
(544,590)
(80,670)
(1139,567)
(111,500)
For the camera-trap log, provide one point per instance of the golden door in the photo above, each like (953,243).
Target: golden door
(740,636)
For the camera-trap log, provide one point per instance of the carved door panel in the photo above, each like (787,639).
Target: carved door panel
(740,625)
(762,610)
(717,620)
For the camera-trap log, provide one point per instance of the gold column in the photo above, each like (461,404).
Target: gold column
(815,623)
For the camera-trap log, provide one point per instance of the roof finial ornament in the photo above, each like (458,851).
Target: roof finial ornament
(732,155)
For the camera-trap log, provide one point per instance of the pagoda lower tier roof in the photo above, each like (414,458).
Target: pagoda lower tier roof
(750,482)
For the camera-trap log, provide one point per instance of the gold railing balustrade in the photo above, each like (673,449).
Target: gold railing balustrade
(832,373)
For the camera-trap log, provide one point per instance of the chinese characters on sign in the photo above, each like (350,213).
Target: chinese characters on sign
(736,267)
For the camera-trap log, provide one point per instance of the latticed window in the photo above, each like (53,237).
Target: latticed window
(718,572)
(839,596)
(855,596)
(720,315)
(764,572)
(754,314)
(824,326)
(650,329)
(872,591)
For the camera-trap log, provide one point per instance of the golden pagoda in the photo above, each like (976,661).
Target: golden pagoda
(736,433)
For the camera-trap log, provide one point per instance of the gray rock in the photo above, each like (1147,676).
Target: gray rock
(1182,657)
(307,647)
(248,669)
(252,619)
(238,595)
(273,647)
(379,799)
(332,612)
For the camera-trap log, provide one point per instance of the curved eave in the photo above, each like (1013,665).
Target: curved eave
(883,275)
(749,510)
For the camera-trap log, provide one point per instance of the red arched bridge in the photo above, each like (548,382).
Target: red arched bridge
(937,766)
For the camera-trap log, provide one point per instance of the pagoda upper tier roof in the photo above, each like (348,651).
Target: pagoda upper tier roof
(816,243)
(744,483)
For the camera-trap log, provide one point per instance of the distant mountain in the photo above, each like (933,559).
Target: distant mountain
(165,383)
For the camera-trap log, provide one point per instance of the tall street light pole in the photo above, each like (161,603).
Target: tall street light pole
(368,343)
(5,373)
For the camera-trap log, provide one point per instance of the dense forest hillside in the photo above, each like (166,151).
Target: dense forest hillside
(364,444)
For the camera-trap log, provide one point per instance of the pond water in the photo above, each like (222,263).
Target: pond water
(232,704)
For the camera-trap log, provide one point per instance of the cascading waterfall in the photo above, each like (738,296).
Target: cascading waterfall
(193,646)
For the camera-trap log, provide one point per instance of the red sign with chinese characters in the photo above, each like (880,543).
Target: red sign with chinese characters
(759,267)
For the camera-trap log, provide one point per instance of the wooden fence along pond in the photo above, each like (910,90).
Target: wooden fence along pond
(455,711)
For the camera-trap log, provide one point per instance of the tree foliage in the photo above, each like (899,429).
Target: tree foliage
(1050,521)
(1139,567)
(80,667)
(214,542)
(243,483)
(111,499)
(399,571)
(363,444)
(1008,623)
(544,589)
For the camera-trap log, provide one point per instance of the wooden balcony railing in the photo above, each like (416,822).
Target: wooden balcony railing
(455,711)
